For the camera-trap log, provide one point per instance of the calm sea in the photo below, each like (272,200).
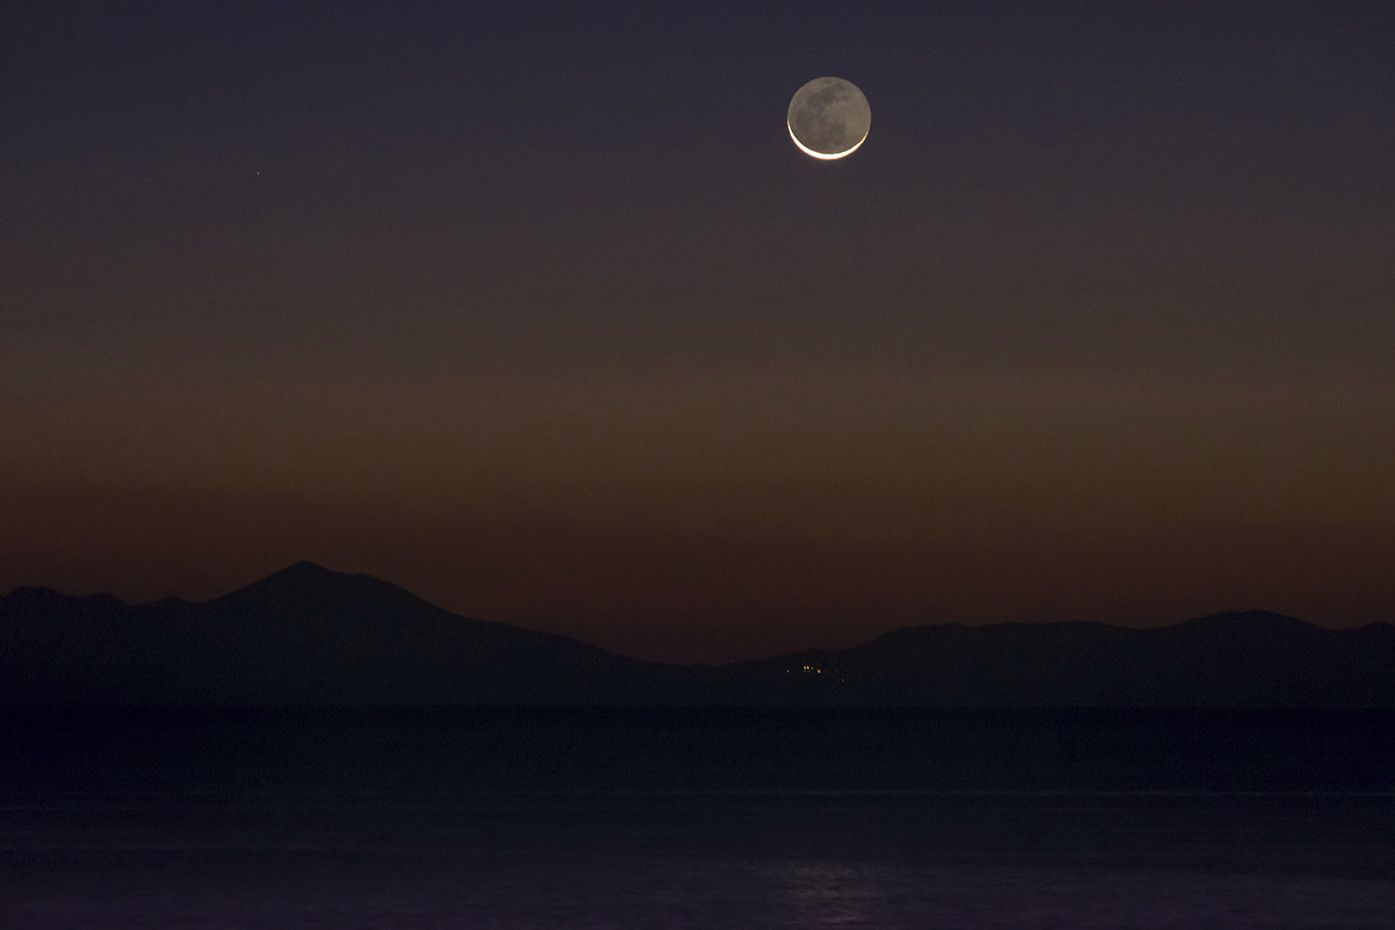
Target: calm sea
(698,818)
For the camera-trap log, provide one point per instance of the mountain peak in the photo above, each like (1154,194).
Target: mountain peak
(303,580)
(306,570)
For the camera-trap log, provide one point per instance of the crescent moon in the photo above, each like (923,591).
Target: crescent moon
(825,156)
(828,118)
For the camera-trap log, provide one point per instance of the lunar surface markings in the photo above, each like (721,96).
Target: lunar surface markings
(829,118)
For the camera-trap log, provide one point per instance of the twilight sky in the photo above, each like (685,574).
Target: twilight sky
(535,310)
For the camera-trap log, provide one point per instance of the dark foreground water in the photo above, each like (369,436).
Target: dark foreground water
(698,818)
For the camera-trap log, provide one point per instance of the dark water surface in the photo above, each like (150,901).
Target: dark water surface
(698,818)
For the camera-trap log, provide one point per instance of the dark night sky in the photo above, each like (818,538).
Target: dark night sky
(535,310)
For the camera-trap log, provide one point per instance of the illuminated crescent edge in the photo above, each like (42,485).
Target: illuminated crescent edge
(824,155)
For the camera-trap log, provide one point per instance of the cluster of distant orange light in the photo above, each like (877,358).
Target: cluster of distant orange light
(808,670)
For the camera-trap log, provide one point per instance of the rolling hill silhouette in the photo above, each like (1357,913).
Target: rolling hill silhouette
(310,636)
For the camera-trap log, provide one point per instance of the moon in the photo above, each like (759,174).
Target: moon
(829,118)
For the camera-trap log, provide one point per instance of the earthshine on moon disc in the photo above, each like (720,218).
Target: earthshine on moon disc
(829,118)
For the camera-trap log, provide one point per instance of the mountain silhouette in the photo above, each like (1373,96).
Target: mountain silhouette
(1252,658)
(307,635)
